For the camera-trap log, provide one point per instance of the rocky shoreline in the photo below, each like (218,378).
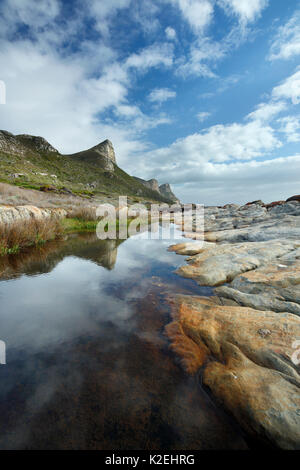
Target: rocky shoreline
(245,339)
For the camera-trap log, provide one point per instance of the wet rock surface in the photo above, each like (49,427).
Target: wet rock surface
(244,337)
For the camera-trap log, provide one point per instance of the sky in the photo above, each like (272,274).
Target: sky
(202,94)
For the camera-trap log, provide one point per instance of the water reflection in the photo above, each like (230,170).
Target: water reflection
(88,365)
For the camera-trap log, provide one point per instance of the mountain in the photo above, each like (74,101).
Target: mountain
(164,189)
(102,155)
(32,162)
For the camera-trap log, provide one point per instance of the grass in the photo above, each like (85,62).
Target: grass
(23,234)
(70,225)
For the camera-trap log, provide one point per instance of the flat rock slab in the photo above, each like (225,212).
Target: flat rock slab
(218,264)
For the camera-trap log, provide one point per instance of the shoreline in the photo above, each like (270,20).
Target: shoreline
(245,337)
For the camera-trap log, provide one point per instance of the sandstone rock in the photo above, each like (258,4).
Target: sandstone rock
(251,373)
(217,264)
(192,248)
(9,214)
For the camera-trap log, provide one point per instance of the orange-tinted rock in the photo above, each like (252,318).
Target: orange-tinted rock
(252,374)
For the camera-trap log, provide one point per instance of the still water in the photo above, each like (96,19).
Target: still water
(88,364)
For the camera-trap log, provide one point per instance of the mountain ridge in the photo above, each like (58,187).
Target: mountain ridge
(32,162)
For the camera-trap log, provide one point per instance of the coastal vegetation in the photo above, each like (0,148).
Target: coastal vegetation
(22,234)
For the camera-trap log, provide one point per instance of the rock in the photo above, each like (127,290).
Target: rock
(106,148)
(37,143)
(166,191)
(258,202)
(102,155)
(273,287)
(17,175)
(244,336)
(251,372)
(151,184)
(192,248)
(10,214)
(275,226)
(274,204)
(21,144)
(217,264)
(293,198)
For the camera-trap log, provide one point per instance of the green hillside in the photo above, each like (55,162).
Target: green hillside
(49,170)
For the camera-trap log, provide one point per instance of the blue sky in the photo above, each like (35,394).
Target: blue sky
(203,94)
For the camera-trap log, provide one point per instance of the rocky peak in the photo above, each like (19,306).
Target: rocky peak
(166,191)
(106,150)
(153,184)
(20,144)
(38,143)
(102,156)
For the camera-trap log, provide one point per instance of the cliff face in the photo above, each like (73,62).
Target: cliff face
(164,189)
(151,184)
(102,155)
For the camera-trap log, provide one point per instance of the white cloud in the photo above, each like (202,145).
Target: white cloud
(170,33)
(203,56)
(184,159)
(246,10)
(33,14)
(198,13)
(287,41)
(62,97)
(152,56)
(289,89)
(101,11)
(266,111)
(203,116)
(218,184)
(290,125)
(159,95)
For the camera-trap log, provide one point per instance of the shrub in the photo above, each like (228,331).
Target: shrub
(21,234)
(83,213)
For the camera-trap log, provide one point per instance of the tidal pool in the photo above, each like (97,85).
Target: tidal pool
(87,363)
